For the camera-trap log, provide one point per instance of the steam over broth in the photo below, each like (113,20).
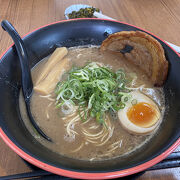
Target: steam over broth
(88,140)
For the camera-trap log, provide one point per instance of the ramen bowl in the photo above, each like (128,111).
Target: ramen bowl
(42,42)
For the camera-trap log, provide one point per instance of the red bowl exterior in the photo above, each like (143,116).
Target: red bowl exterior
(83,175)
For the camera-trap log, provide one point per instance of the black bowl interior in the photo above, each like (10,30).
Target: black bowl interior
(72,33)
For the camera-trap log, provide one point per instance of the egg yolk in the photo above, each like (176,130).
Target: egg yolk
(142,114)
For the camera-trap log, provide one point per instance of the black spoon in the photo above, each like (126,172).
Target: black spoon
(27,85)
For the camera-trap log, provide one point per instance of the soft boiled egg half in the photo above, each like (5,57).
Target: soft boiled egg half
(141,117)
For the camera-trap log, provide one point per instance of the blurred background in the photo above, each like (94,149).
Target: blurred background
(161,17)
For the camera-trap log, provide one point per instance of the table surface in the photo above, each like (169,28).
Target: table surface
(161,17)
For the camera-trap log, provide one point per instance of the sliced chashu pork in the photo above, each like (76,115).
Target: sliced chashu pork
(147,53)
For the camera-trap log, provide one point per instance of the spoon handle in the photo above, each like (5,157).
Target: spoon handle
(27,85)
(22,53)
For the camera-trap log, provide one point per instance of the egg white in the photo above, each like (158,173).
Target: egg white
(131,127)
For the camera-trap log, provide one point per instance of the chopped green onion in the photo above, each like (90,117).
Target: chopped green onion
(93,86)
(134,102)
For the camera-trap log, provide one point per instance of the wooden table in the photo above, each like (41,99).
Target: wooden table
(161,17)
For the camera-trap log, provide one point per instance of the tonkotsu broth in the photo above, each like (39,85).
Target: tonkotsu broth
(52,121)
